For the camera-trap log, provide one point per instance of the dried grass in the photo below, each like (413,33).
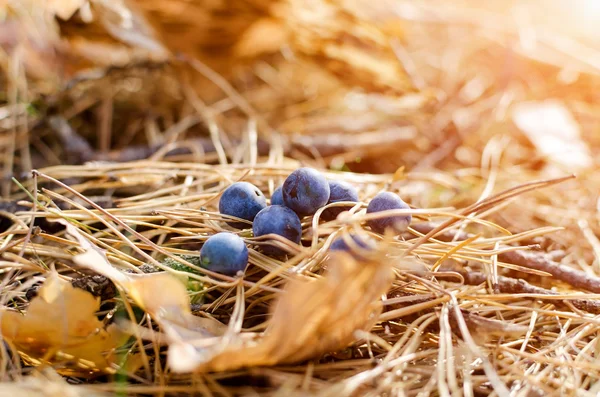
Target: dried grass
(424,109)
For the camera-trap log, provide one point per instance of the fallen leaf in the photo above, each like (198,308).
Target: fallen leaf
(309,318)
(61,325)
(555,133)
(162,295)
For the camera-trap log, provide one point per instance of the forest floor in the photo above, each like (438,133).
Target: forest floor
(121,123)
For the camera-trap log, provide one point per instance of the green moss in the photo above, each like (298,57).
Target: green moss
(173,264)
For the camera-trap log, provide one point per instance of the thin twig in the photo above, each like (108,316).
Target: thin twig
(489,203)
(532,260)
(509,285)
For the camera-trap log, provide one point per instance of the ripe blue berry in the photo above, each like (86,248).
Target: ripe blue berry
(385,201)
(277,197)
(339,191)
(224,253)
(242,200)
(280,220)
(305,191)
(339,244)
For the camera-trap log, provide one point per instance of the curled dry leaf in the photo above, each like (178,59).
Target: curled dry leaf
(162,295)
(61,325)
(311,317)
(354,49)
(349,46)
(127,37)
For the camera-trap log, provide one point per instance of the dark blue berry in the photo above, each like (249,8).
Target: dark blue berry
(277,197)
(339,244)
(224,253)
(242,200)
(305,191)
(385,201)
(279,220)
(339,191)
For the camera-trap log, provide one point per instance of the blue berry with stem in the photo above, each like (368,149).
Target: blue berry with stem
(242,200)
(305,191)
(277,197)
(279,220)
(386,201)
(339,191)
(224,253)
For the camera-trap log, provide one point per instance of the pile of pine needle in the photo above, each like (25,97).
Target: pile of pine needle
(134,117)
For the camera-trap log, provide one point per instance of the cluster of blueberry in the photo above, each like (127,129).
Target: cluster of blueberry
(303,193)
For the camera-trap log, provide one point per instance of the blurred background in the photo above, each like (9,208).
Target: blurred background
(351,85)
(420,84)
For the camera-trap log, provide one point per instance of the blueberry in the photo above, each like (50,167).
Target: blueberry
(279,220)
(385,201)
(339,191)
(242,200)
(224,253)
(339,244)
(305,191)
(277,197)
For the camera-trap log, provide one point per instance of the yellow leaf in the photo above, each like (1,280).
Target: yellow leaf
(61,325)
(162,295)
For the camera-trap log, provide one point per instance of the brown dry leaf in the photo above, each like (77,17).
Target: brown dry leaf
(123,35)
(352,48)
(311,317)
(61,325)
(162,295)
(335,36)
(128,25)
(50,42)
